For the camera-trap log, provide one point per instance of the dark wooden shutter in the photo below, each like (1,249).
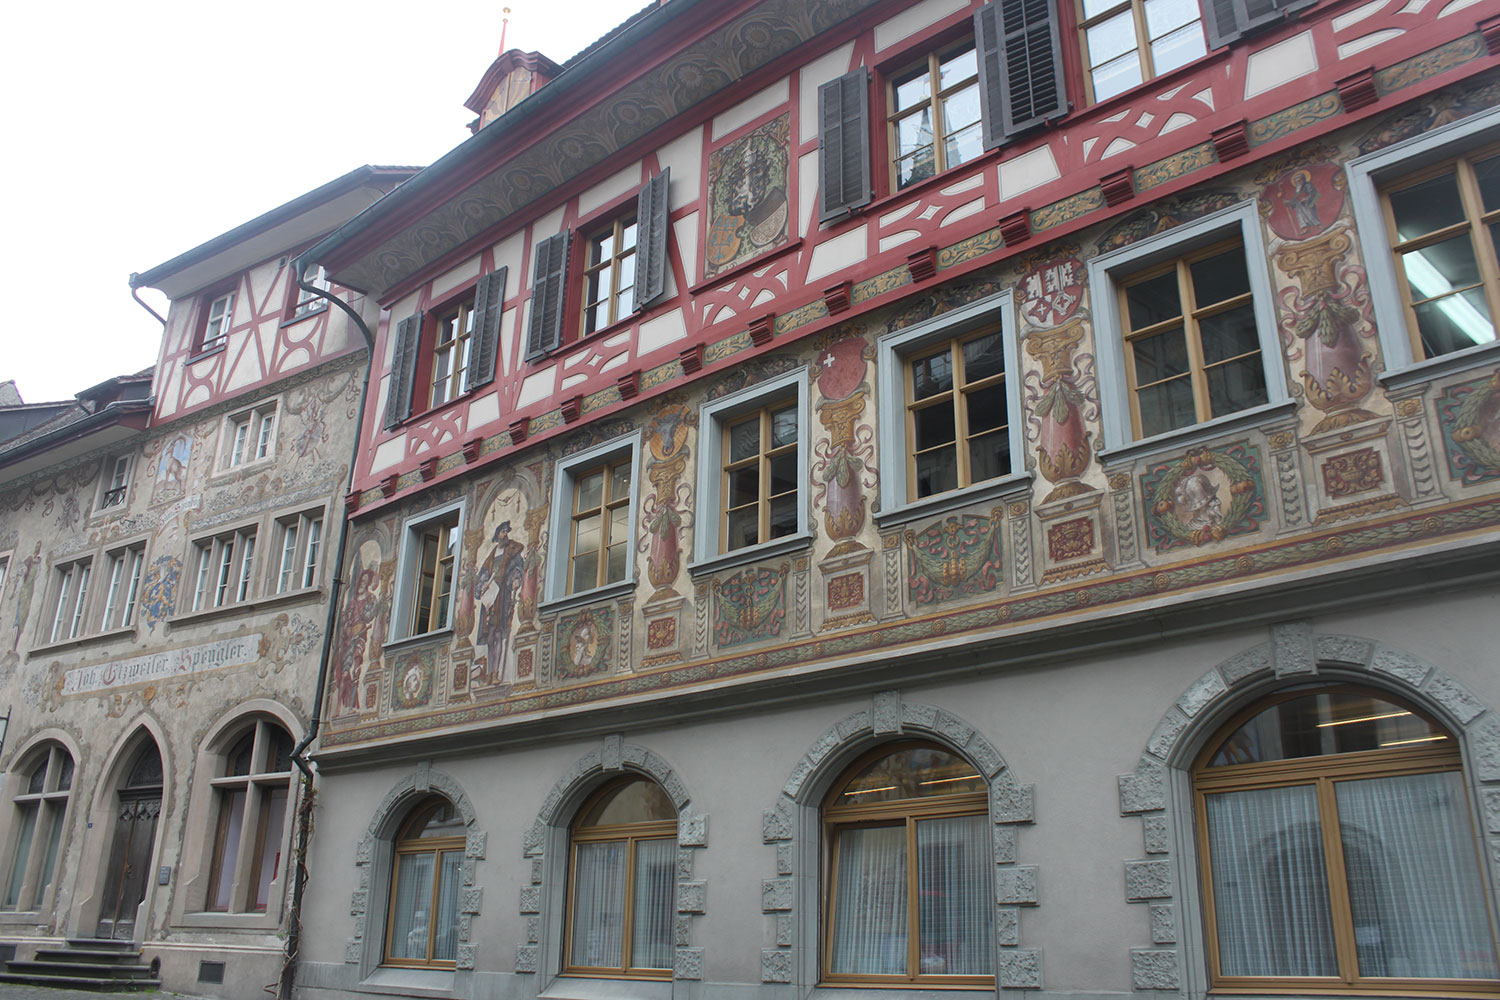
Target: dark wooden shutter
(489,304)
(549,290)
(652,217)
(403,370)
(844,142)
(1222,22)
(1020,65)
(1229,19)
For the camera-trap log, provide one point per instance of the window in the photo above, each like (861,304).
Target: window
(1192,352)
(933,114)
(609,275)
(4,568)
(115,483)
(225,569)
(300,544)
(622,887)
(594,510)
(1435,200)
(1443,222)
(909,891)
(218,314)
(70,601)
(945,107)
(423,925)
(1126,43)
(124,585)
(41,808)
(306,303)
(1188,332)
(1338,850)
(754,464)
(452,342)
(426,574)
(252,792)
(250,436)
(441,355)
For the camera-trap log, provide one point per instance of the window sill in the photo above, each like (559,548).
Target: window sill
(98,638)
(763,260)
(242,607)
(444,634)
(1183,437)
(943,503)
(569,986)
(291,320)
(750,554)
(207,352)
(21,918)
(915,991)
(1445,364)
(254,465)
(229,921)
(608,592)
(409,982)
(953,175)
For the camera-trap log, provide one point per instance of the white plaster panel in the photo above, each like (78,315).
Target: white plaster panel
(1118,117)
(1145,120)
(245,370)
(896,239)
(807,189)
(1416,7)
(537,386)
(388,453)
(963,212)
(614,186)
(829,66)
(929,212)
(507,338)
(199,394)
(1029,170)
(577,359)
(548,225)
(967,184)
(573,380)
(1357,14)
(1115,148)
(444,438)
(660,331)
(766,295)
(484,410)
(1280,64)
(1176,122)
(914,19)
(722,315)
(618,339)
(454,277)
(684,155)
(1456,6)
(1088,145)
(1368,41)
(842,251)
(1206,96)
(166,400)
(686,231)
(616,361)
(507,253)
(752,107)
(295,359)
(900,213)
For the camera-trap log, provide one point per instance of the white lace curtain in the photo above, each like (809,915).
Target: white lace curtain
(599,902)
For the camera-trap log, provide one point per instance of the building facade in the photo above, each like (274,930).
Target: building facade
(938,495)
(165,558)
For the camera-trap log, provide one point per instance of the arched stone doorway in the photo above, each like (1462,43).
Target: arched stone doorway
(127,872)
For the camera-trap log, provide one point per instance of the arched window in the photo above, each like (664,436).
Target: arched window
(908,861)
(622,888)
(423,924)
(1340,853)
(252,791)
(41,807)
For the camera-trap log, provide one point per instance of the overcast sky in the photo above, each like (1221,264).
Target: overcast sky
(138,130)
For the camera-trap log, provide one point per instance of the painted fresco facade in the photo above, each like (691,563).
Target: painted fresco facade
(1079,620)
(165,617)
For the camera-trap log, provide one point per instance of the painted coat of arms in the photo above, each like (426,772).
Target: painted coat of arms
(747,197)
(1050,293)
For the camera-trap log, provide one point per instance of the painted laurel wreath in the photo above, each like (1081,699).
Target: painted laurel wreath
(1241,496)
(1472,417)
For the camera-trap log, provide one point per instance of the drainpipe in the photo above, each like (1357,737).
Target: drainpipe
(299,753)
(135,293)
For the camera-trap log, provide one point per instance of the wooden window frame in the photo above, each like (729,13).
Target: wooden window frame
(762,459)
(429,538)
(127,566)
(608,503)
(259,787)
(629,834)
(250,435)
(204,338)
(406,846)
(70,597)
(1143,42)
(909,67)
(1323,772)
(298,553)
(613,229)
(224,569)
(1190,319)
(836,818)
(455,382)
(1476,222)
(49,803)
(953,397)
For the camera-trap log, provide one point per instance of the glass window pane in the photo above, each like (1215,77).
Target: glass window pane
(989,456)
(655,904)
(937,472)
(599,905)
(1427,206)
(1153,301)
(1160,356)
(744,485)
(1163,16)
(409,916)
(1093,8)
(637,801)
(784,516)
(955,906)
(744,440)
(619,524)
(960,110)
(869,907)
(437,820)
(917,167)
(912,773)
(1167,406)
(1324,722)
(934,426)
(1487,172)
(986,408)
(983,357)
(932,374)
(963,146)
(914,132)
(912,88)
(22,856)
(784,427)
(1454,322)
(627,236)
(1414,882)
(445,921)
(227,846)
(615,571)
(54,812)
(590,491)
(1111,38)
(783,473)
(586,570)
(957,67)
(1220,277)
(1229,334)
(1178,48)
(1117,76)
(1236,385)
(272,821)
(744,527)
(619,481)
(586,534)
(1441,267)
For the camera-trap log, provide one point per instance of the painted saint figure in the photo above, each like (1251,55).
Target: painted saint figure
(504,566)
(359,614)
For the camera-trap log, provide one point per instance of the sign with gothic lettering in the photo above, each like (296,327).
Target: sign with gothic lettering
(163,666)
